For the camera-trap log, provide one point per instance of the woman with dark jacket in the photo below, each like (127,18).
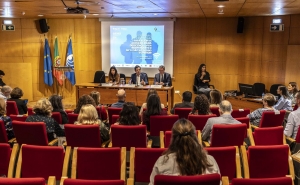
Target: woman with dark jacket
(57,105)
(15,95)
(202,79)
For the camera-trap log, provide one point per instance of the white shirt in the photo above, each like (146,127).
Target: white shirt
(292,124)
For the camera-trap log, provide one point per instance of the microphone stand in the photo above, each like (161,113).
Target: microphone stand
(101,79)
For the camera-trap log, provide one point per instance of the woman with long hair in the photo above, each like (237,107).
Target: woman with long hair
(144,105)
(215,98)
(201,105)
(6,120)
(185,155)
(102,113)
(57,105)
(129,115)
(292,91)
(113,75)
(283,103)
(84,100)
(202,79)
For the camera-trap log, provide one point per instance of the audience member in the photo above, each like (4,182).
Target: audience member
(293,122)
(56,102)
(6,120)
(225,118)
(121,99)
(43,110)
(16,94)
(162,78)
(202,79)
(268,103)
(129,115)
(1,81)
(88,116)
(84,100)
(153,108)
(5,92)
(201,105)
(215,98)
(144,106)
(292,91)
(283,103)
(186,101)
(138,77)
(185,155)
(113,75)
(96,96)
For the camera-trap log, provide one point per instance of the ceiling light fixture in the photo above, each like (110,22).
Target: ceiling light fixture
(221,6)
(40,15)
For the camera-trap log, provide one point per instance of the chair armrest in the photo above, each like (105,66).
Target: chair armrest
(199,136)
(12,161)
(51,180)
(66,161)
(238,163)
(149,143)
(11,141)
(254,127)
(53,142)
(291,166)
(245,162)
(213,87)
(161,139)
(62,180)
(105,144)
(289,139)
(110,144)
(225,180)
(206,144)
(130,181)
(250,136)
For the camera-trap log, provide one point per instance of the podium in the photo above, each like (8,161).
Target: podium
(62,69)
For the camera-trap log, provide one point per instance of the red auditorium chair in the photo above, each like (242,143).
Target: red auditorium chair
(271,119)
(267,136)
(161,123)
(30,111)
(114,118)
(22,181)
(92,182)
(165,138)
(142,161)
(72,117)
(113,111)
(7,159)
(245,120)
(215,110)
(263,181)
(102,112)
(69,111)
(238,113)
(182,112)
(294,143)
(3,134)
(57,117)
(11,108)
(18,117)
(199,121)
(209,179)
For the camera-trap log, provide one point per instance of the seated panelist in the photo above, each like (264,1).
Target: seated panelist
(138,77)
(162,78)
(113,75)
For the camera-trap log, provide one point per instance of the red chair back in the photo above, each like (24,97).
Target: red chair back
(57,117)
(161,123)
(69,111)
(32,133)
(199,121)
(215,110)
(18,117)
(3,134)
(167,139)
(129,136)
(297,136)
(263,181)
(228,135)
(111,111)
(22,181)
(268,161)
(5,152)
(245,120)
(42,161)
(226,159)
(102,112)
(182,112)
(268,136)
(295,107)
(209,179)
(270,119)
(238,113)
(30,111)
(83,135)
(72,118)
(114,118)
(11,108)
(98,163)
(144,160)
(93,182)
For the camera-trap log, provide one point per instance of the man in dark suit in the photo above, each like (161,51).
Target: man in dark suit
(186,101)
(138,77)
(162,78)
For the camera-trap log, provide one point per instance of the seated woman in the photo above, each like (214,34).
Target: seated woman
(185,155)
(283,103)
(150,92)
(43,110)
(15,95)
(201,105)
(88,116)
(56,102)
(103,113)
(6,120)
(202,79)
(268,103)
(84,100)
(113,75)
(153,108)
(129,115)
(215,98)
(292,91)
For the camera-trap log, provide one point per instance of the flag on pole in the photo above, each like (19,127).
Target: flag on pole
(57,73)
(70,63)
(47,65)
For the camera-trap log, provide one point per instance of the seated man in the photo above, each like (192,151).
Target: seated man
(268,102)
(293,121)
(225,118)
(186,101)
(162,78)
(121,99)
(139,78)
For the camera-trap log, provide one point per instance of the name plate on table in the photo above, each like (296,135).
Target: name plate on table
(129,85)
(106,85)
(156,86)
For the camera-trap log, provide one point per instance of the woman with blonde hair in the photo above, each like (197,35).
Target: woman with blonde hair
(6,120)
(185,155)
(88,116)
(102,111)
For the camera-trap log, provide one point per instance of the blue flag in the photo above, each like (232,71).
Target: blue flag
(48,79)
(70,63)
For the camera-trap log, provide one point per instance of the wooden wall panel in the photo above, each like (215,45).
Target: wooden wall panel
(292,64)
(249,67)
(295,30)
(84,27)
(11,49)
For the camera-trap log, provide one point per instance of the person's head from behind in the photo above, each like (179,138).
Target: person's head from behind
(293,87)
(282,90)
(202,68)
(88,115)
(225,107)
(269,100)
(56,102)
(215,96)
(161,69)
(43,107)
(150,92)
(297,97)
(137,70)
(201,105)
(6,90)
(121,95)
(129,115)
(153,104)
(16,93)
(2,74)
(113,71)
(190,156)
(2,107)
(187,96)
(96,96)
(84,100)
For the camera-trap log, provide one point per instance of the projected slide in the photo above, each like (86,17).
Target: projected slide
(132,45)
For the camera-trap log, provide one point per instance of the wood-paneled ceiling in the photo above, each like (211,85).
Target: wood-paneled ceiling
(148,8)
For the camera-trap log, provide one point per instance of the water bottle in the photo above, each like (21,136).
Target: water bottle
(122,81)
(262,96)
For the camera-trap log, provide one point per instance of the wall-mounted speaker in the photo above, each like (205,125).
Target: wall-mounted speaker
(240,25)
(43,25)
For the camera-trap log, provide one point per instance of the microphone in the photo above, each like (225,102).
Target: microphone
(101,78)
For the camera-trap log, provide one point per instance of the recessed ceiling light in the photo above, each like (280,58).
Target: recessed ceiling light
(95,14)
(155,14)
(221,6)
(220,13)
(40,15)
(140,7)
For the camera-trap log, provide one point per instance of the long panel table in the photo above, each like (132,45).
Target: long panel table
(137,95)
(240,102)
